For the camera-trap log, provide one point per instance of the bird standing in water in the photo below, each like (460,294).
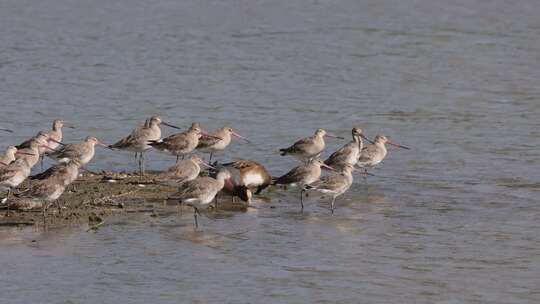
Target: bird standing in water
(200,192)
(181,144)
(303,175)
(334,185)
(349,153)
(246,175)
(371,155)
(309,147)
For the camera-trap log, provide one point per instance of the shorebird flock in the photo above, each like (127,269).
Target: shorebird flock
(242,178)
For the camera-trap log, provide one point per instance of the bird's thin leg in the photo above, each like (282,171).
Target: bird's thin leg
(139,163)
(365,175)
(177,158)
(141,169)
(59,207)
(332,206)
(216,201)
(183,156)
(7,200)
(302,200)
(210,159)
(143,164)
(195,212)
(44,215)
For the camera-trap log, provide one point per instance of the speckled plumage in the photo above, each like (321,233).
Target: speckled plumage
(180,143)
(83,151)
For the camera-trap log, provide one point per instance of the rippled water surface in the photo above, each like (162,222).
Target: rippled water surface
(454,220)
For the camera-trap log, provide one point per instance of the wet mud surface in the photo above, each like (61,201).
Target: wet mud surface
(94,197)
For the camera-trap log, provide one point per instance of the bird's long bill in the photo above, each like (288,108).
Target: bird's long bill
(241,137)
(365,137)
(104,145)
(211,136)
(6,130)
(68,125)
(398,145)
(334,136)
(328,167)
(24,153)
(207,165)
(3,164)
(55,141)
(171,126)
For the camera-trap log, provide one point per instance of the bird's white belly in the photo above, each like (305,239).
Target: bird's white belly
(219,146)
(87,158)
(55,195)
(352,158)
(252,179)
(202,200)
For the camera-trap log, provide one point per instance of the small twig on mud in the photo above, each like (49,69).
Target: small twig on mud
(96,226)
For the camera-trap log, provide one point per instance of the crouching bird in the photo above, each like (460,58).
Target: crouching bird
(245,176)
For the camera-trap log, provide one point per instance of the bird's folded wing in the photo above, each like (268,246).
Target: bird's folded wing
(367,153)
(292,176)
(206,141)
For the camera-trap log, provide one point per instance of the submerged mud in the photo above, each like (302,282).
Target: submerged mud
(93,197)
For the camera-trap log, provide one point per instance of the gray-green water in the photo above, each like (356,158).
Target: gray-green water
(455,220)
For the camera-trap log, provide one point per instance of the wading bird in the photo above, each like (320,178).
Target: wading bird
(334,185)
(303,175)
(182,143)
(349,153)
(246,175)
(200,192)
(139,139)
(374,153)
(213,144)
(308,147)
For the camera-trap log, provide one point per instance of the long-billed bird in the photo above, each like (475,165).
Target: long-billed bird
(371,155)
(139,139)
(217,141)
(200,192)
(334,185)
(309,147)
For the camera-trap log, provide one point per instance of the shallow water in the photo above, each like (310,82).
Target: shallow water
(454,220)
